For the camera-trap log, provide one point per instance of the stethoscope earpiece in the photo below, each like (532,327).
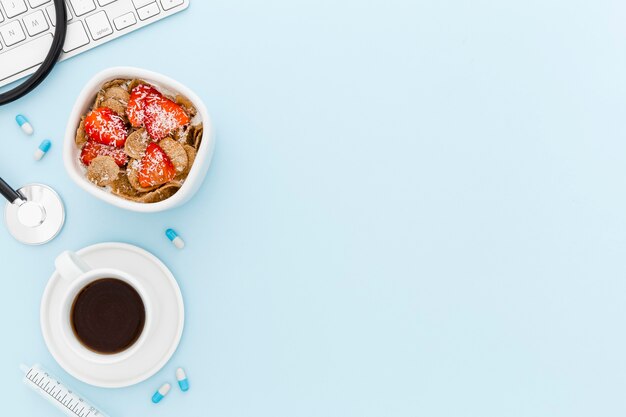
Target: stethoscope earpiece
(34,214)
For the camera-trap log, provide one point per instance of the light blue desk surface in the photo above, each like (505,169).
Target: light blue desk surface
(415,208)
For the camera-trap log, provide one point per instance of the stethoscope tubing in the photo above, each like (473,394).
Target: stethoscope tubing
(34,80)
(9,192)
(51,58)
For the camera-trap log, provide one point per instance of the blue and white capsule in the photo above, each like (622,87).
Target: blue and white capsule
(43,148)
(183,382)
(161,392)
(174,238)
(24,124)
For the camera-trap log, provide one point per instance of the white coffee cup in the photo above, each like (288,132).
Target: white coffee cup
(72,268)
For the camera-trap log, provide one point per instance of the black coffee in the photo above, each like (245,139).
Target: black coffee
(108,316)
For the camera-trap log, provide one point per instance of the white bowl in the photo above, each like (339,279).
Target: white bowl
(85,99)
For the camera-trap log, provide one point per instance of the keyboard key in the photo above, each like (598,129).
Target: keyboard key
(75,37)
(124,21)
(13,7)
(12,33)
(82,7)
(24,56)
(37,3)
(141,3)
(52,14)
(148,11)
(99,25)
(35,23)
(24,30)
(170,4)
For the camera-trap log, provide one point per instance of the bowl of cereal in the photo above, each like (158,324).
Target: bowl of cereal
(138,140)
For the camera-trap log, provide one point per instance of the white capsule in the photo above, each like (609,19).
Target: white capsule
(174,238)
(161,392)
(183,382)
(24,124)
(43,148)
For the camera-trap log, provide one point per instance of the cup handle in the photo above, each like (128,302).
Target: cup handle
(70,266)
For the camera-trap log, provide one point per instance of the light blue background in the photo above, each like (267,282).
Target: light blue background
(414,208)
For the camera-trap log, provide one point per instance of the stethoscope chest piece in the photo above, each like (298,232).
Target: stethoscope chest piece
(36,218)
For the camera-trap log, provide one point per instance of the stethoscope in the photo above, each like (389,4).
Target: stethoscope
(35,214)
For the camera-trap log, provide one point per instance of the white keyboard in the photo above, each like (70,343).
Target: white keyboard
(27,28)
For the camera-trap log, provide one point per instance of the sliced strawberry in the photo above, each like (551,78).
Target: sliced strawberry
(156,168)
(139,96)
(93,149)
(104,126)
(162,116)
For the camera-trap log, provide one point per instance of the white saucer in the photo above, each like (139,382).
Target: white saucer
(160,343)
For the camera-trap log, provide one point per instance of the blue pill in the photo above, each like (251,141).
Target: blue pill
(43,148)
(24,124)
(160,393)
(183,382)
(174,238)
